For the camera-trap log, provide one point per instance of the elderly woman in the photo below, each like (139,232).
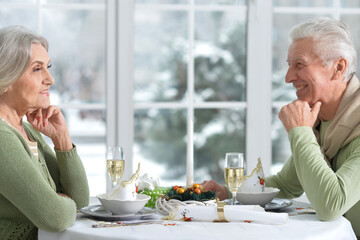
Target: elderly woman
(38,188)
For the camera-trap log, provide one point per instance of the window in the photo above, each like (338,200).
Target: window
(147,74)
(190,63)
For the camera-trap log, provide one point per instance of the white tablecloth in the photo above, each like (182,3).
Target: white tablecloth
(302,227)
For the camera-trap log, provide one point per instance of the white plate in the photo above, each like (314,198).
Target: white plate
(99,212)
(124,207)
(257,198)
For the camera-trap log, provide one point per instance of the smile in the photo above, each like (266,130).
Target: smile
(46,93)
(298,88)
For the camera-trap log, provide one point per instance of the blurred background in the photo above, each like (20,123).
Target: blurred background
(186,55)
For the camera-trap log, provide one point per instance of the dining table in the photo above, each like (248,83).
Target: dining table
(302,224)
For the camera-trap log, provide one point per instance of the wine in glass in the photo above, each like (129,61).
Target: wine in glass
(115,164)
(234,172)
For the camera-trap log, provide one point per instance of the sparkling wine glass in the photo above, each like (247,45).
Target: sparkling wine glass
(234,172)
(115,164)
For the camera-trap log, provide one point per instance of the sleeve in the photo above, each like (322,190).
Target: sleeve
(330,193)
(287,181)
(69,174)
(29,191)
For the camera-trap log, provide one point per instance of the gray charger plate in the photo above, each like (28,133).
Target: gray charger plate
(275,204)
(97,211)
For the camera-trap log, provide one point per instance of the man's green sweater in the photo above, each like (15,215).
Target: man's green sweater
(29,185)
(333,191)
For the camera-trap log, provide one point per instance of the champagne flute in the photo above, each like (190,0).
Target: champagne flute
(115,164)
(234,172)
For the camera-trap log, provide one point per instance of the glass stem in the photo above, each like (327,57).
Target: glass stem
(233,197)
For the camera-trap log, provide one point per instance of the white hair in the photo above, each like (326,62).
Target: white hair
(332,40)
(15,53)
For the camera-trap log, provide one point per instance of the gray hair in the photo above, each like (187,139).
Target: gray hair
(332,40)
(15,53)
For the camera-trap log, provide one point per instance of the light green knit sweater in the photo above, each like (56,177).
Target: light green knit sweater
(29,186)
(325,163)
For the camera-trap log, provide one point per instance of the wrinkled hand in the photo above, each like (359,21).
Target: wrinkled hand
(221,191)
(298,113)
(51,122)
(63,195)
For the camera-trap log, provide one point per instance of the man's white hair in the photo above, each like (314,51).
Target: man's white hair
(332,40)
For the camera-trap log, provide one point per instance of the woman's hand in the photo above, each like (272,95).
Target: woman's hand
(51,122)
(63,195)
(221,191)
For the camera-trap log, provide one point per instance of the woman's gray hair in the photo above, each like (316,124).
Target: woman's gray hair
(332,40)
(15,53)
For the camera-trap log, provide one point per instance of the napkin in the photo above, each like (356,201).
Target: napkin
(255,182)
(125,190)
(232,213)
(147,182)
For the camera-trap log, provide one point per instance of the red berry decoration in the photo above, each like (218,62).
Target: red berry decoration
(197,190)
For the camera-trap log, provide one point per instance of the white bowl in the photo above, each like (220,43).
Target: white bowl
(257,198)
(124,207)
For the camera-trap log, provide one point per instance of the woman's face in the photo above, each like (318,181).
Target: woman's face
(31,91)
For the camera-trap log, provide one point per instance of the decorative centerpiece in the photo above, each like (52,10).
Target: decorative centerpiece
(196,192)
(180,196)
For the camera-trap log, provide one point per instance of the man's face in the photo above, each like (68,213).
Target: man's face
(307,73)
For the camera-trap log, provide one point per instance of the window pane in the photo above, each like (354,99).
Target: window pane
(222,2)
(81,121)
(303,3)
(217,131)
(281,29)
(10,16)
(220,56)
(90,144)
(160,55)
(280,143)
(160,143)
(162,1)
(352,22)
(77,51)
(17,1)
(350,3)
(74,1)
(93,158)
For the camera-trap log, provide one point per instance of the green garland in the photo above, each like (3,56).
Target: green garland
(190,194)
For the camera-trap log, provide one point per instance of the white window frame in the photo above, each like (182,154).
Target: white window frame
(120,79)
(120,73)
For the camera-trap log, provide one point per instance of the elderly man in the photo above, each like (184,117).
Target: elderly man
(323,124)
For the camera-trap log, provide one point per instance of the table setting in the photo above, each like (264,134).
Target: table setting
(135,206)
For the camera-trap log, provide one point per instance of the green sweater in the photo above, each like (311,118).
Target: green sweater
(332,191)
(29,185)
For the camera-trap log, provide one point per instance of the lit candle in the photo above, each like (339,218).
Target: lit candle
(190,155)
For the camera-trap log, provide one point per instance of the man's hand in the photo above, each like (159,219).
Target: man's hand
(221,191)
(298,113)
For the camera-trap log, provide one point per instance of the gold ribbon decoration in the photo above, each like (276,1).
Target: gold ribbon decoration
(257,169)
(220,211)
(133,178)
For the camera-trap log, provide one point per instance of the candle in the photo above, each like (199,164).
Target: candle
(190,155)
